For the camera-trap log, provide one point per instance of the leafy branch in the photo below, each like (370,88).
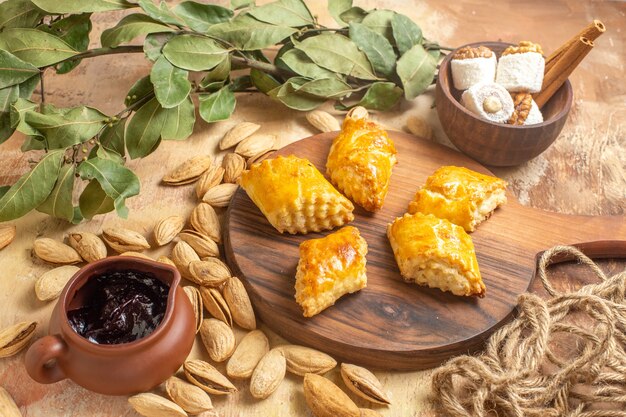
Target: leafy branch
(373,58)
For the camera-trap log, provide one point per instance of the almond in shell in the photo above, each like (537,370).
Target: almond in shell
(323,121)
(89,246)
(260,157)
(123,240)
(212,177)
(419,127)
(326,399)
(50,284)
(7,234)
(189,171)
(213,270)
(196,303)
(215,304)
(152,405)
(247,355)
(190,398)
(136,255)
(15,338)
(233,165)
(255,144)
(166,229)
(366,412)
(218,338)
(364,383)
(182,256)
(202,273)
(204,375)
(358,112)
(268,374)
(55,252)
(239,303)
(165,260)
(238,133)
(220,195)
(302,360)
(202,244)
(204,220)
(8,408)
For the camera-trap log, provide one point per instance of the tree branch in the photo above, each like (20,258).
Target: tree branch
(91,53)
(262,66)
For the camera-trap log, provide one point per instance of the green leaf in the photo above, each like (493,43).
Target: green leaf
(139,90)
(80,6)
(264,82)
(19,14)
(416,69)
(217,106)
(326,88)
(103,152)
(292,13)
(74,30)
(435,53)
(8,95)
(161,12)
(28,87)
(240,4)
(39,48)
(32,188)
(200,17)
(129,28)
(144,129)
(353,14)
(117,181)
(406,33)
(287,94)
(220,73)
(66,127)
(112,137)
(179,121)
(171,85)
(153,45)
(59,202)
(241,83)
(337,7)
(18,108)
(93,200)
(13,70)
(376,47)
(380,22)
(300,63)
(380,96)
(4,189)
(337,53)
(247,33)
(194,53)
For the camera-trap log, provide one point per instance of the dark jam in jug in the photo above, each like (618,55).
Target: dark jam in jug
(119,307)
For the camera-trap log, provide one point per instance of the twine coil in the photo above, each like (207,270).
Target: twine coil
(520,375)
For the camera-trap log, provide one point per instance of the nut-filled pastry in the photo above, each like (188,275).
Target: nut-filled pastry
(329,268)
(294,196)
(436,253)
(472,65)
(521,68)
(360,161)
(460,195)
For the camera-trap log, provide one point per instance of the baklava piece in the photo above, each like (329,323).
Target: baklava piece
(329,268)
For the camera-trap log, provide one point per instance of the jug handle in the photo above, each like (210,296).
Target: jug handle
(39,356)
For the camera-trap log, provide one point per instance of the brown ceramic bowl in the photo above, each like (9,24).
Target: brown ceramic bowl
(119,369)
(491,143)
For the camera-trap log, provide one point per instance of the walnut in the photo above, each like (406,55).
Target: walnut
(522,103)
(523,46)
(468,52)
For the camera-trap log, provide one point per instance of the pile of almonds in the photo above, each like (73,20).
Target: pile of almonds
(219,299)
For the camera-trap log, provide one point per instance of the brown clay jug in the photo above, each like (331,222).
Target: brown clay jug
(117,369)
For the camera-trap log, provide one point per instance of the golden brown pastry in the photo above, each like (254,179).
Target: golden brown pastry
(458,194)
(294,196)
(360,161)
(434,252)
(329,268)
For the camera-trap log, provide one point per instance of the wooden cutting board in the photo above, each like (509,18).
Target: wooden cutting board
(392,324)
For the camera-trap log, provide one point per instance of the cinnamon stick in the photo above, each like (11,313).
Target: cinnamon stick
(562,68)
(592,31)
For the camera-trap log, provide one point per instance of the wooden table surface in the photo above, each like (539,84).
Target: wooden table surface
(584,172)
